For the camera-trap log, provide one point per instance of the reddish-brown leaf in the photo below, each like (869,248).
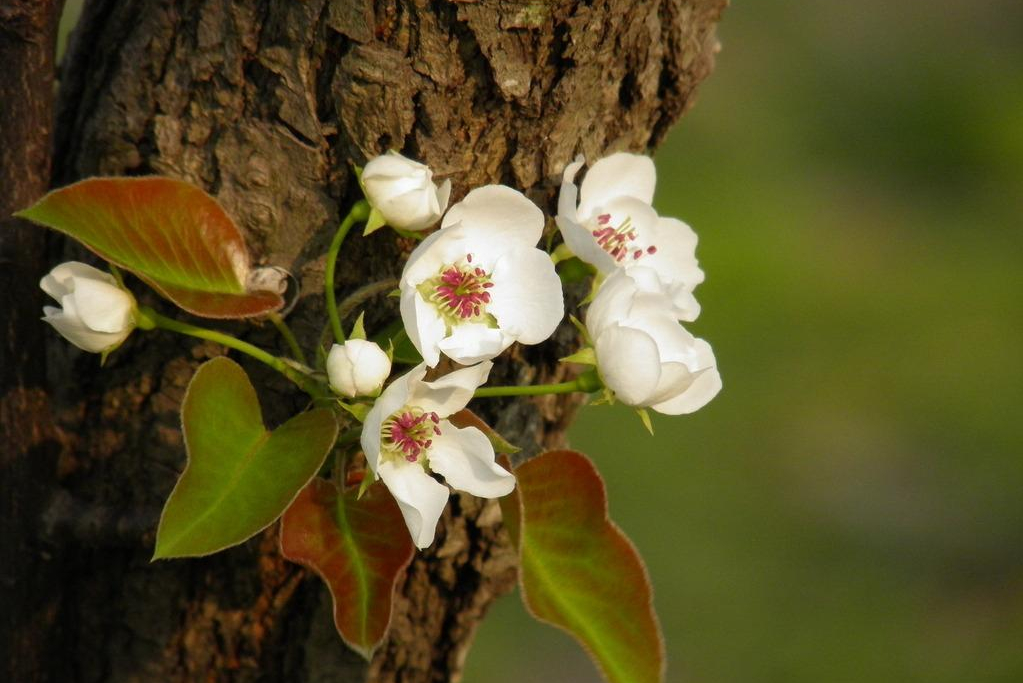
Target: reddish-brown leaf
(170,233)
(358,546)
(578,571)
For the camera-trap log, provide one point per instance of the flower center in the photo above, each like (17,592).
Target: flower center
(410,432)
(460,292)
(619,242)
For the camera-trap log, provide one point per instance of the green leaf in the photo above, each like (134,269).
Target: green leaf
(375,221)
(586,356)
(583,332)
(357,410)
(239,477)
(644,417)
(358,546)
(359,328)
(170,233)
(578,571)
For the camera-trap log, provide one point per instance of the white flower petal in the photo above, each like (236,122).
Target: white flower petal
(72,329)
(340,372)
(628,362)
(465,457)
(675,260)
(393,165)
(526,298)
(500,218)
(419,496)
(439,250)
(581,243)
(443,195)
(568,197)
(102,306)
(618,175)
(57,282)
(451,392)
(613,303)
(423,325)
(674,343)
(675,379)
(470,343)
(705,385)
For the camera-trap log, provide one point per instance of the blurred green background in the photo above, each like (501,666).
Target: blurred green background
(850,507)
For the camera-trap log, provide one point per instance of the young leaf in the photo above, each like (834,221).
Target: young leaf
(239,477)
(359,546)
(578,571)
(170,233)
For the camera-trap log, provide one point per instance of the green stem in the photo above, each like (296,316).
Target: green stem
(150,319)
(289,337)
(587,382)
(350,303)
(364,294)
(359,213)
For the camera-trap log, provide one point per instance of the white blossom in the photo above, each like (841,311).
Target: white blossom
(405,437)
(643,354)
(609,221)
(479,283)
(357,368)
(95,314)
(403,191)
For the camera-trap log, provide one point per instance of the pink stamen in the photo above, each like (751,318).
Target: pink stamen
(618,242)
(463,291)
(408,432)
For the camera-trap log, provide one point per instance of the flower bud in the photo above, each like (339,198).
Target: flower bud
(95,314)
(403,191)
(357,368)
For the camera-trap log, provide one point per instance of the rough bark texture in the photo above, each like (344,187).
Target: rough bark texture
(267,105)
(30,581)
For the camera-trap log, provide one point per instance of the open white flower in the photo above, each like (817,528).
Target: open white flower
(95,314)
(609,222)
(643,354)
(405,436)
(357,368)
(479,283)
(403,191)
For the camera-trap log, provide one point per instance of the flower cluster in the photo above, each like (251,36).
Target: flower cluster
(642,352)
(469,290)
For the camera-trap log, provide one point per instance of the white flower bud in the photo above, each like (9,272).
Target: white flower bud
(95,314)
(357,368)
(403,191)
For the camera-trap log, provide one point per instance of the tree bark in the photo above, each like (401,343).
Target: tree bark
(267,105)
(30,581)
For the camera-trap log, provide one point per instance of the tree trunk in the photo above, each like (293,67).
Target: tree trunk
(267,105)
